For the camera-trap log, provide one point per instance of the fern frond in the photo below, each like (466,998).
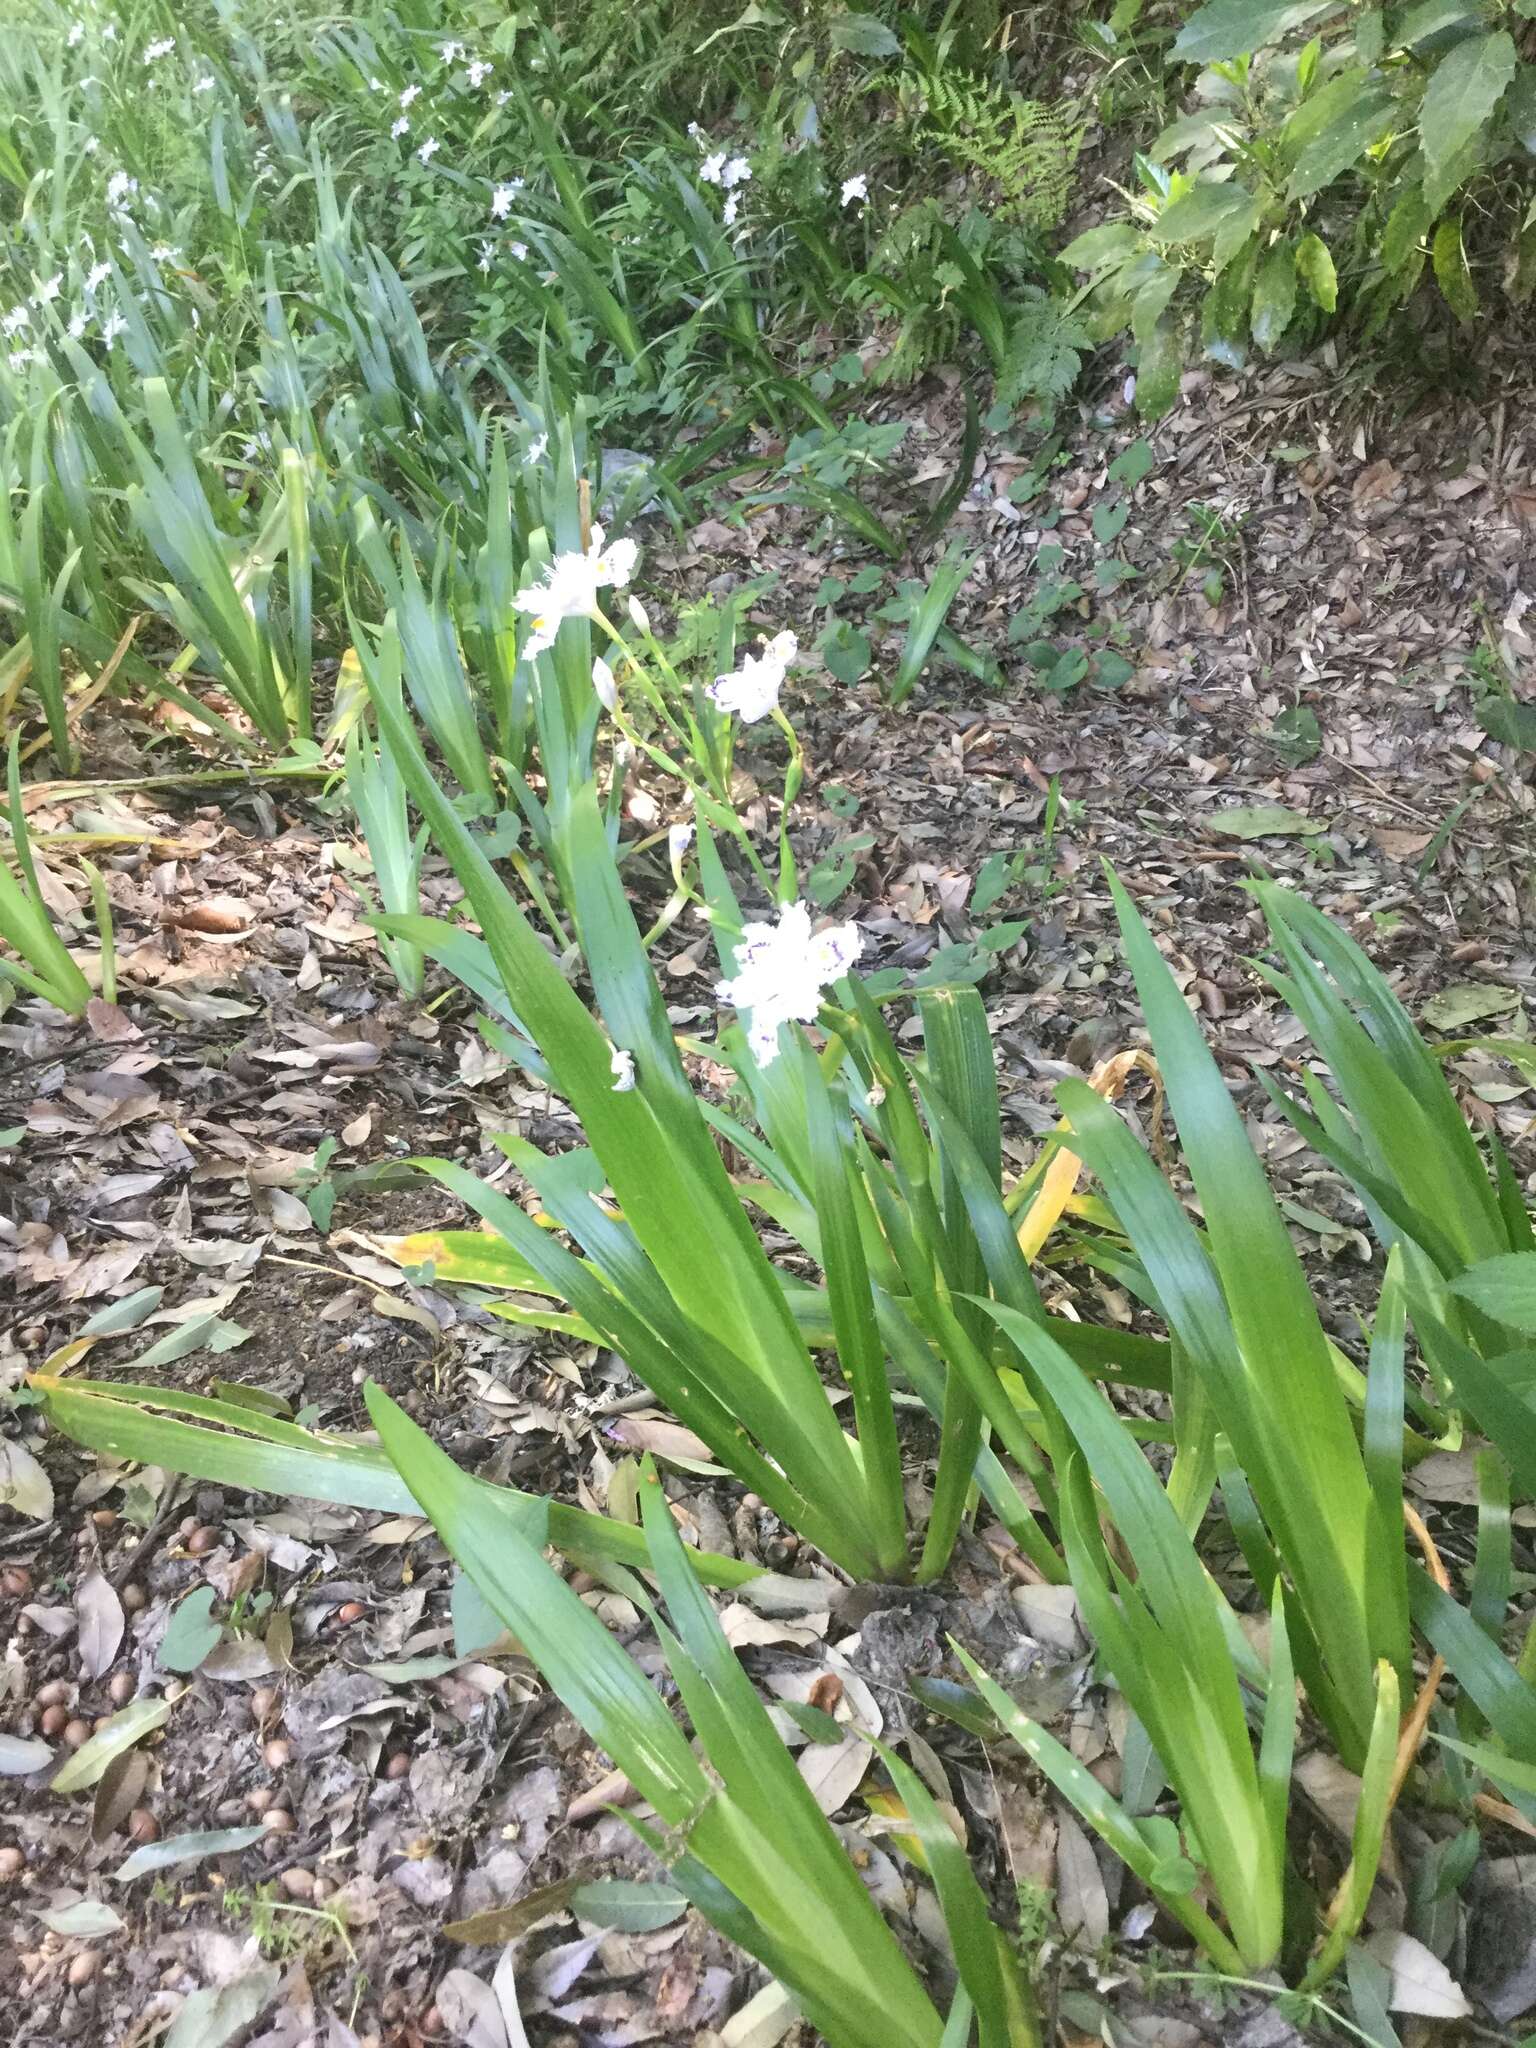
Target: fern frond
(1026,148)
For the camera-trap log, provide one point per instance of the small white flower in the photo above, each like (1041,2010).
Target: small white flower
(538,448)
(76,35)
(153,52)
(375,85)
(48,290)
(570,587)
(855,188)
(92,144)
(679,839)
(162,252)
(120,188)
(502,198)
(77,326)
(712,170)
(518,251)
(736,172)
(450,51)
(478,73)
(429,149)
(502,98)
(752,690)
(604,684)
(731,208)
(112,327)
(14,321)
(780,972)
(97,276)
(109,33)
(621,1065)
(411,94)
(639,617)
(401,127)
(487,256)
(206,83)
(695,131)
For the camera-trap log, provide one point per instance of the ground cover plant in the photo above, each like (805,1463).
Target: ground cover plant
(889,1534)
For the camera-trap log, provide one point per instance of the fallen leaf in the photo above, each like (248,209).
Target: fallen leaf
(1082,1903)
(176,1852)
(109,1024)
(24,1485)
(138,1719)
(102,1622)
(1465,1002)
(83,1918)
(19,1758)
(1420,1981)
(210,2018)
(1398,844)
(1264,821)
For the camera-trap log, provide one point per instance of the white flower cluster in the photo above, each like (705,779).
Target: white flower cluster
(153,52)
(781,970)
(570,587)
(752,690)
(728,172)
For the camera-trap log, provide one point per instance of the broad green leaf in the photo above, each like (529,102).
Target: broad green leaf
(1503,1288)
(1464,88)
(1223,29)
(1367,116)
(1453,273)
(1274,295)
(1314,266)
(1198,213)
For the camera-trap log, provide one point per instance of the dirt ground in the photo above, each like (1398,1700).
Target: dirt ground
(1370,568)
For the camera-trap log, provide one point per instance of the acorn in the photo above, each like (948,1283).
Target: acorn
(55,1720)
(278,1821)
(84,1967)
(133,1597)
(298,1882)
(278,1753)
(121,1687)
(77,1734)
(352,1610)
(142,1825)
(54,1693)
(201,1541)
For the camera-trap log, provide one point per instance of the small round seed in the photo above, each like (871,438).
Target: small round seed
(133,1597)
(298,1882)
(398,1765)
(142,1825)
(12,1862)
(277,1821)
(259,1798)
(84,1967)
(352,1610)
(77,1734)
(201,1541)
(53,1694)
(15,1582)
(121,1687)
(55,1720)
(278,1753)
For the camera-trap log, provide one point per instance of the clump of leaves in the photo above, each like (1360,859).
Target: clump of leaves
(1329,161)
